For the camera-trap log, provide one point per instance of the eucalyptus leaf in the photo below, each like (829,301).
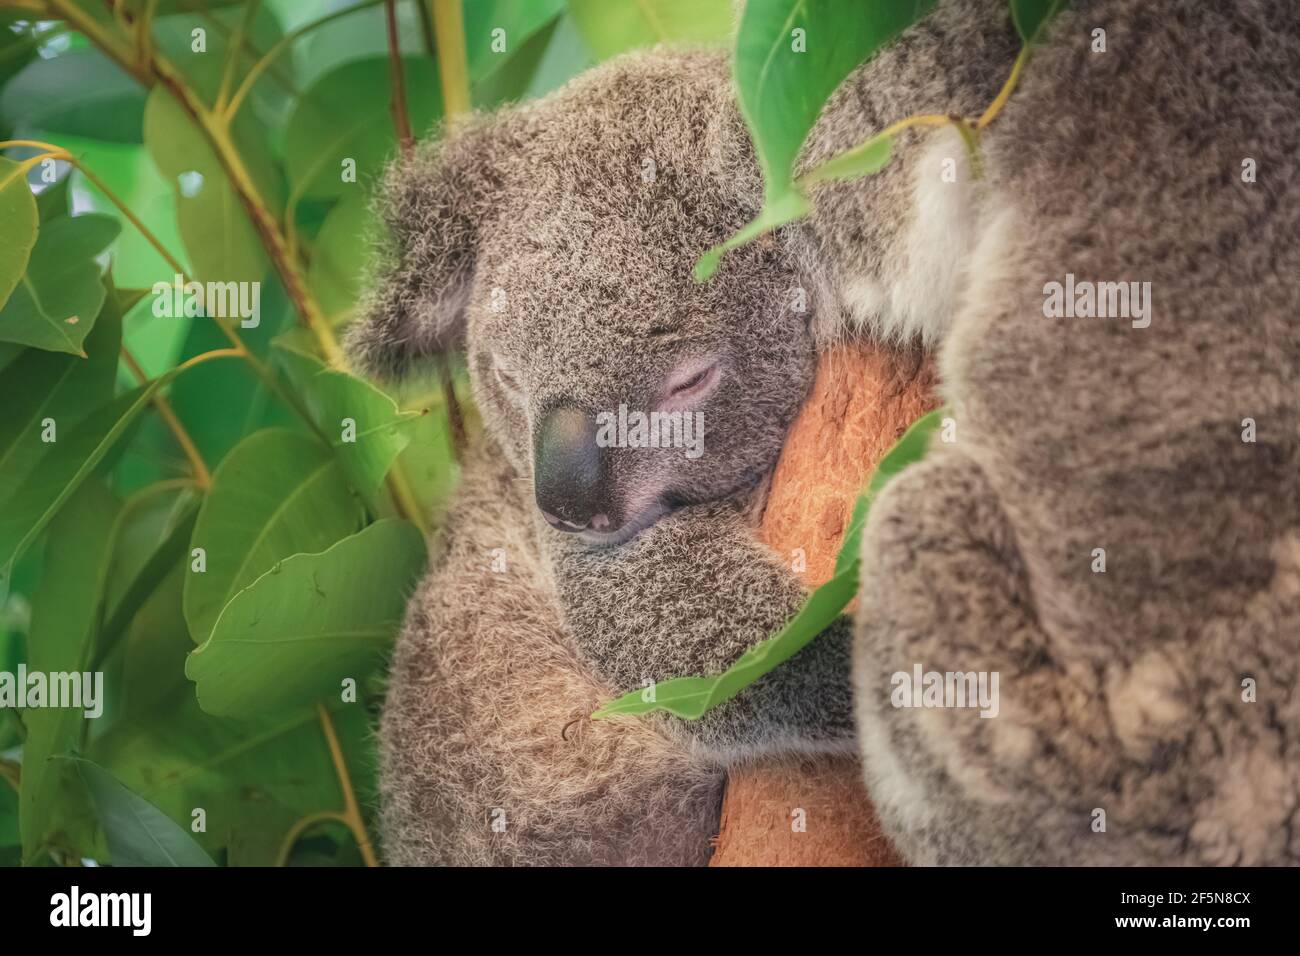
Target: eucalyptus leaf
(277,494)
(496,31)
(309,622)
(64,617)
(870,157)
(138,833)
(59,296)
(153,531)
(364,426)
(221,404)
(19,214)
(222,244)
(612,28)
(54,387)
(691,697)
(1031,16)
(61,471)
(790,57)
(79,92)
(344,116)
(338,257)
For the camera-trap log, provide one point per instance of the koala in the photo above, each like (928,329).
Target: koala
(1115,530)
(553,242)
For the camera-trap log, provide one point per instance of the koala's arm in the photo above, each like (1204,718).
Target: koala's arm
(689,596)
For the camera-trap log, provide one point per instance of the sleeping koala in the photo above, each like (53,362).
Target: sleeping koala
(553,241)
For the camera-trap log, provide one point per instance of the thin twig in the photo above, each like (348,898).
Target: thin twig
(397,101)
(351,811)
(202,476)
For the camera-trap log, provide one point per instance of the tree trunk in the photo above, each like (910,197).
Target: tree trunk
(815,812)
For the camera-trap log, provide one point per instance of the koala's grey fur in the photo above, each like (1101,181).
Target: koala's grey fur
(1119,691)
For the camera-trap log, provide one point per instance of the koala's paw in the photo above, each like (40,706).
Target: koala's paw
(960,704)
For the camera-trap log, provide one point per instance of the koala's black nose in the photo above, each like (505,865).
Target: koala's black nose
(567,471)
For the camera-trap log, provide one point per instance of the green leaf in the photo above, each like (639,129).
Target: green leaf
(790,57)
(138,833)
(10,841)
(129,172)
(692,697)
(1031,16)
(79,92)
(565,56)
(787,208)
(222,404)
(518,21)
(17,49)
(151,538)
(18,213)
(309,622)
(361,35)
(338,255)
(863,160)
(53,201)
(429,461)
(333,399)
(222,244)
(173,37)
(344,115)
(612,28)
(69,462)
(42,385)
(59,296)
(910,448)
(277,494)
(254,777)
(498,78)
(64,617)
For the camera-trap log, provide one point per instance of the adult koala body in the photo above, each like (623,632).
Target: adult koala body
(538,238)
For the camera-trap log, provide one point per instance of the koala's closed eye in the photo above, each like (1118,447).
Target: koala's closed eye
(507,376)
(691,383)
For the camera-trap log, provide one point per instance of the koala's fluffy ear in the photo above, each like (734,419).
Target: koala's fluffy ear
(432,205)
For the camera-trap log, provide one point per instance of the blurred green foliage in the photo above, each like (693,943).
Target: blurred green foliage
(221,519)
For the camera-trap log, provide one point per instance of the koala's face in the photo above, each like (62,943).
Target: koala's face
(611,379)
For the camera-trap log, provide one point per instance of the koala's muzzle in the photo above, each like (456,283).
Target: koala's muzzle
(568,471)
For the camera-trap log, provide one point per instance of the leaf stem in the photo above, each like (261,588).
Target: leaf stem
(202,476)
(279,47)
(234,54)
(453,65)
(1008,87)
(351,812)
(300,827)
